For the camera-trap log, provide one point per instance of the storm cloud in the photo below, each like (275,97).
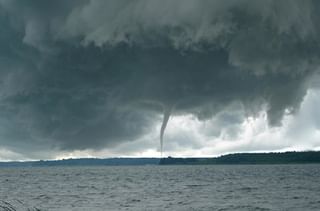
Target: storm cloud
(78,75)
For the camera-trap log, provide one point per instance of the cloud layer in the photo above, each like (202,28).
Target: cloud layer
(78,75)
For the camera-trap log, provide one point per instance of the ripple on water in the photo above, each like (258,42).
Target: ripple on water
(157,187)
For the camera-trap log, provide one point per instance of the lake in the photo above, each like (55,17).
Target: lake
(214,187)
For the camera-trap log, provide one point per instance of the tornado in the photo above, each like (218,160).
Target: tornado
(166,115)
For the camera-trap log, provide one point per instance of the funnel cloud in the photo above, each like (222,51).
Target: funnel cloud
(92,75)
(166,116)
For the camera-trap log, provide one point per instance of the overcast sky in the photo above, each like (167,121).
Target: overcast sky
(95,78)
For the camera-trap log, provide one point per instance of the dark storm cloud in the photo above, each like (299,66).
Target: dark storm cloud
(90,74)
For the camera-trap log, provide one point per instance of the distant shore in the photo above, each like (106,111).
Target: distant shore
(307,157)
(249,158)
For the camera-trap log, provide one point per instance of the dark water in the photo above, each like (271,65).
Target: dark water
(252,187)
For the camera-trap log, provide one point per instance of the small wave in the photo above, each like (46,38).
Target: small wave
(244,207)
(16,205)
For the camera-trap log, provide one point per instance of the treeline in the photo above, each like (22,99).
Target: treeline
(238,158)
(249,158)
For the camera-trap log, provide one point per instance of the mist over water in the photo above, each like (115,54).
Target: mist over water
(253,187)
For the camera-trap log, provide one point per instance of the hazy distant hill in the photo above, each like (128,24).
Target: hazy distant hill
(85,162)
(240,158)
(249,158)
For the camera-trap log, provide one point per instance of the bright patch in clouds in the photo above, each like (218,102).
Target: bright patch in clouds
(188,136)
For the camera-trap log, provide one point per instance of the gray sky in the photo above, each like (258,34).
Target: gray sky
(83,78)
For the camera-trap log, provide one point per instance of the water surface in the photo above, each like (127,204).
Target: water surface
(229,187)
